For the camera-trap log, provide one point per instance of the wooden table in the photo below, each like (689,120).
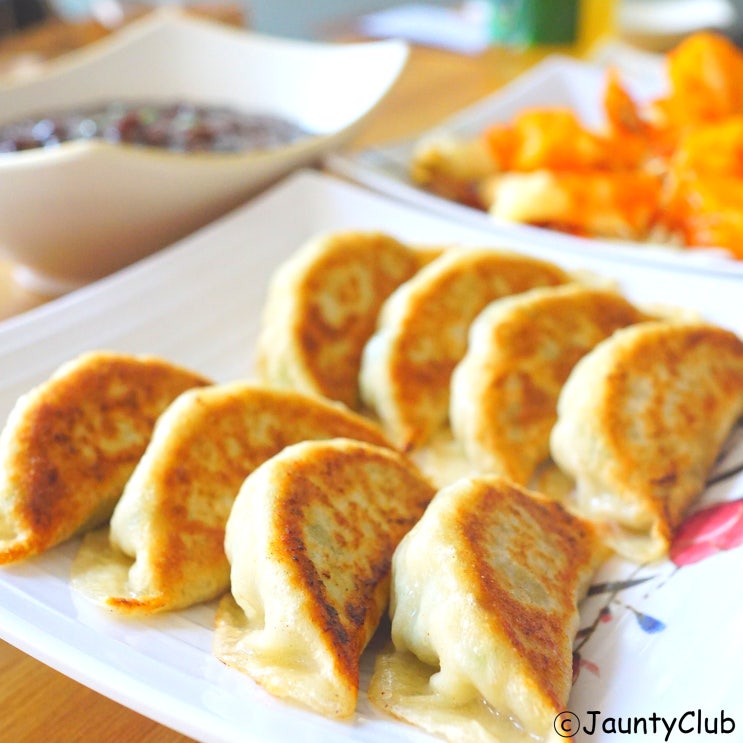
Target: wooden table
(38,703)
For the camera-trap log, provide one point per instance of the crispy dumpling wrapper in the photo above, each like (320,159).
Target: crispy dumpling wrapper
(484,607)
(641,421)
(310,540)
(521,350)
(70,444)
(322,308)
(407,364)
(165,547)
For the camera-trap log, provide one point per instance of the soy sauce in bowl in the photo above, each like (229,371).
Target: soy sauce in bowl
(176,126)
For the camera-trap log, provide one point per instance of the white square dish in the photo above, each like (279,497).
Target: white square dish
(557,81)
(659,639)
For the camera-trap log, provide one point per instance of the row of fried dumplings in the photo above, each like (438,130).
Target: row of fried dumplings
(495,362)
(310,500)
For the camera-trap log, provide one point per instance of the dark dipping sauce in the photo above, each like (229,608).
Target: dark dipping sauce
(177,126)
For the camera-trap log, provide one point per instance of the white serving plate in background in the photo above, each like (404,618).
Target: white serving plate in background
(668,645)
(557,81)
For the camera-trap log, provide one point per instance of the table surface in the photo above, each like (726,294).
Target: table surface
(37,702)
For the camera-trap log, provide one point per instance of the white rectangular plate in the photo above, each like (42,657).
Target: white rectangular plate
(557,81)
(198,303)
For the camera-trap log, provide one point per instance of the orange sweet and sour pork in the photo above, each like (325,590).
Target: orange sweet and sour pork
(670,169)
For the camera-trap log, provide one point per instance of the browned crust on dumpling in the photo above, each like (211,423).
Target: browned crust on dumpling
(360,548)
(557,550)
(668,385)
(323,307)
(519,358)
(190,486)
(485,597)
(72,443)
(384,263)
(427,333)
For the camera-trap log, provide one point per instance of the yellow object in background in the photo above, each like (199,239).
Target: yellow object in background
(597,20)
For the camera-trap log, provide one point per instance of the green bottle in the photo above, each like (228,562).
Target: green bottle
(534,22)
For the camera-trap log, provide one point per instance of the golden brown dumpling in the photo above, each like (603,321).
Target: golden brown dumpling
(165,547)
(406,366)
(641,420)
(310,540)
(484,607)
(521,350)
(322,308)
(70,444)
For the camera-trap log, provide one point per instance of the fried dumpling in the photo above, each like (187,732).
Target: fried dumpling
(310,540)
(322,308)
(521,350)
(484,606)
(640,423)
(407,364)
(70,444)
(165,548)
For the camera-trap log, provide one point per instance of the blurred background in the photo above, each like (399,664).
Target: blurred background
(654,24)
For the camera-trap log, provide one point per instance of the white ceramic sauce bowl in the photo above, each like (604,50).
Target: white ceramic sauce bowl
(79,210)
